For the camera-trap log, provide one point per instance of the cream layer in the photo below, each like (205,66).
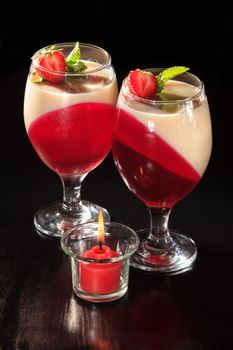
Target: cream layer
(43,98)
(188,130)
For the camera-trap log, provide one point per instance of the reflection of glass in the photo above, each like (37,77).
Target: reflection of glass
(161,148)
(70,126)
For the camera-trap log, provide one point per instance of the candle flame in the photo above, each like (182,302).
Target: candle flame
(101,227)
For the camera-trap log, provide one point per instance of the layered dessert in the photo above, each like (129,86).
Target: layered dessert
(69,116)
(162,144)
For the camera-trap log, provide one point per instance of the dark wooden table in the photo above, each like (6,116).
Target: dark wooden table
(38,310)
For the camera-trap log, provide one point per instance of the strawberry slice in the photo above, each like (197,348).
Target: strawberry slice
(52,61)
(142,83)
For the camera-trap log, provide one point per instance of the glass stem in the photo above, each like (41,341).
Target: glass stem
(72,203)
(159,236)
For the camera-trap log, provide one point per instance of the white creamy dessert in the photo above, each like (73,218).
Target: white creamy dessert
(41,98)
(186,129)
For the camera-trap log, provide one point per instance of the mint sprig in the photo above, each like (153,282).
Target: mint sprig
(38,79)
(168,74)
(73,62)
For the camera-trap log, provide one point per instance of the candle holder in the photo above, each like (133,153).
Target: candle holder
(100,272)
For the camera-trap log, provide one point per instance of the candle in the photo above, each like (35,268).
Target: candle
(100,278)
(95,279)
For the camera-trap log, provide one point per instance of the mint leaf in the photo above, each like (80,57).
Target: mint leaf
(167,107)
(74,55)
(73,63)
(168,74)
(76,67)
(39,79)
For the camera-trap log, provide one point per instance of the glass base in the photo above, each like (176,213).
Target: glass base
(100,298)
(178,258)
(53,221)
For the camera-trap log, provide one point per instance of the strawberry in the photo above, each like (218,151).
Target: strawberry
(52,61)
(142,83)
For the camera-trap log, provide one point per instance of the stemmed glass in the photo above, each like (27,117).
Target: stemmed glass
(69,123)
(161,147)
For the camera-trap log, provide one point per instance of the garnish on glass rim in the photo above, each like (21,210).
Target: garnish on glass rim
(53,59)
(168,74)
(144,83)
(73,62)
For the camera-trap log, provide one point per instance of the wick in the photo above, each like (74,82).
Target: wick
(100,245)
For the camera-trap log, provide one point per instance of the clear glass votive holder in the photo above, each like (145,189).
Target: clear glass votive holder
(100,271)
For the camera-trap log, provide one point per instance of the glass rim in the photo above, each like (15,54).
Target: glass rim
(201,91)
(67,44)
(95,224)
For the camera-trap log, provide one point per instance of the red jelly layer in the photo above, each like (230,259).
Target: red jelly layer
(74,139)
(153,170)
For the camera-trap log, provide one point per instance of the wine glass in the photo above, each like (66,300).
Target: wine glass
(161,148)
(69,121)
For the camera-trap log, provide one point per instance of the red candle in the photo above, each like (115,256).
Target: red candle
(100,278)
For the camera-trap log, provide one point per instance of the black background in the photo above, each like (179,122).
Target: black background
(149,33)
(188,311)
